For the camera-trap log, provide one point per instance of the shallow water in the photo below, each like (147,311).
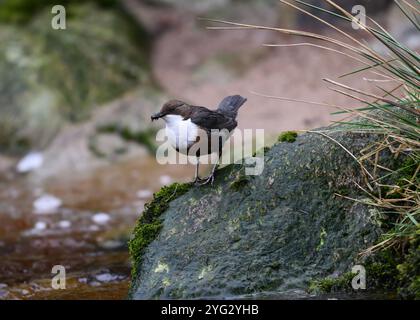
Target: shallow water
(87,234)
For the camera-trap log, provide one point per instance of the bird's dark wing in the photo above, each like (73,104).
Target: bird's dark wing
(208,119)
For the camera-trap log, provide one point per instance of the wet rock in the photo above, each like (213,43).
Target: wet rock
(93,228)
(269,235)
(46,204)
(40,225)
(101,218)
(112,244)
(4,294)
(144,194)
(107,277)
(164,180)
(64,224)
(31,161)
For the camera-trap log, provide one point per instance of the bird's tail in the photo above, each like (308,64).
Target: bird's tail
(230,105)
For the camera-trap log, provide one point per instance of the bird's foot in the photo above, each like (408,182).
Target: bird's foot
(197,181)
(209,179)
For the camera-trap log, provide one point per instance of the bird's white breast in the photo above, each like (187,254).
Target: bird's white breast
(182,134)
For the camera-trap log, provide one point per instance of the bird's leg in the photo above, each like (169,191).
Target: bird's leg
(197,178)
(210,178)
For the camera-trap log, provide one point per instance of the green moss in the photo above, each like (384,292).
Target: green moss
(149,224)
(381,271)
(240,181)
(322,236)
(261,151)
(381,275)
(329,285)
(409,271)
(287,136)
(406,172)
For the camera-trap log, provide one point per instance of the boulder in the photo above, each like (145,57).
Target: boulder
(268,235)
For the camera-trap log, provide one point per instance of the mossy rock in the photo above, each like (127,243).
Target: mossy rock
(49,77)
(263,235)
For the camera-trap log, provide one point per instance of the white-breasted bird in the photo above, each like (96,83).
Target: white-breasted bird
(195,130)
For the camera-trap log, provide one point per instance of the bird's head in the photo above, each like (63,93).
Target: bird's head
(170,107)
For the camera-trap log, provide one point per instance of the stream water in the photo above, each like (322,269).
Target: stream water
(87,233)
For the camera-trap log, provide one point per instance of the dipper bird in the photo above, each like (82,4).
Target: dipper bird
(204,130)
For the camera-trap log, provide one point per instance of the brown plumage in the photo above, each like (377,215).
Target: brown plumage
(194,119)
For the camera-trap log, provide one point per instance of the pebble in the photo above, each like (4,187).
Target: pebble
(143,194)
(40,225)
(46,204)
(112,244)
(30,162)
(164,180)
(25,292)
(101,218)
(106,277)
(64,224)
(93,228)
(4,294)
(83,280)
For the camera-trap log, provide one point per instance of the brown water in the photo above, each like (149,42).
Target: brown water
(94,253)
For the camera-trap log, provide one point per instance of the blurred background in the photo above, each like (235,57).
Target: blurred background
(76,142)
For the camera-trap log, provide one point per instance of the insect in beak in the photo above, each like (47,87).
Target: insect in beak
(156,116)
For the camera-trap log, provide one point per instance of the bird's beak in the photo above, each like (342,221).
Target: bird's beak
(156,116)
